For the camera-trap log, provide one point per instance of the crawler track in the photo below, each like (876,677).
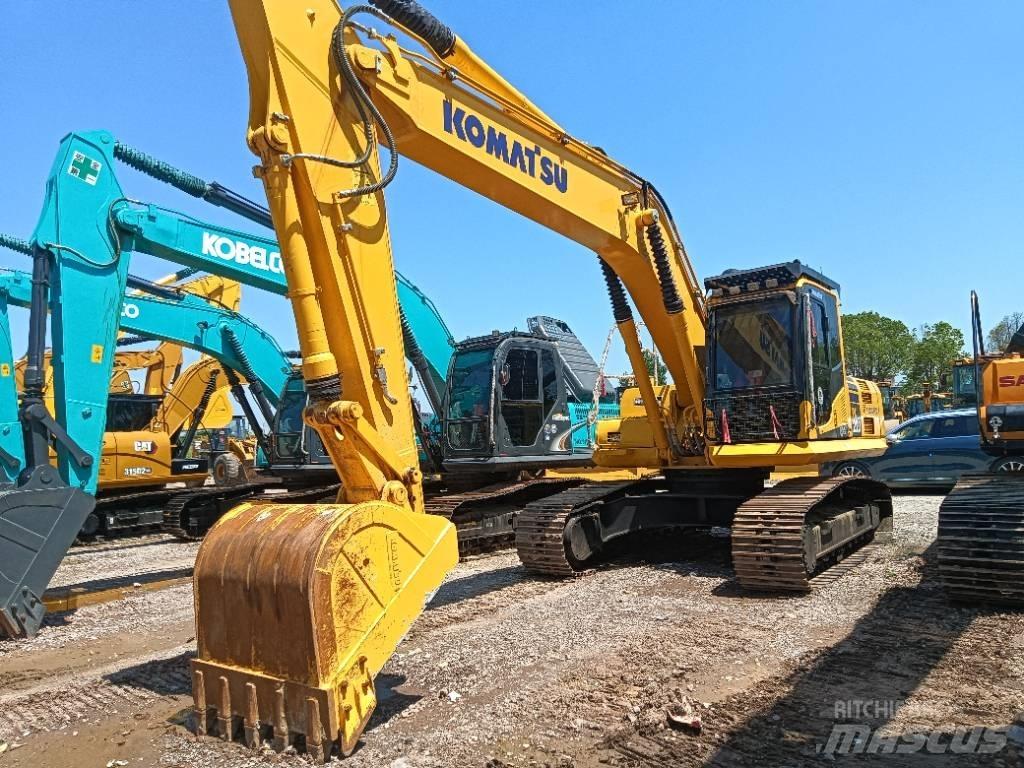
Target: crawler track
(483,516)
(190,514)
(981,539)
(772,532)
(540,529)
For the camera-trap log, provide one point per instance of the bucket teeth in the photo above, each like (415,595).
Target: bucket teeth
(225,721)
(280,742)
(314,731)
(252,717)
(201,710)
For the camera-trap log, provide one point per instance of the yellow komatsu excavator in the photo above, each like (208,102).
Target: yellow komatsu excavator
(298,607)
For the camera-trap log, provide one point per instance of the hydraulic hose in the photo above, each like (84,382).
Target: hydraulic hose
(616,293)
(368,112)
(15,244)
(669,292)
(247,370)
(190,184)
(421,22)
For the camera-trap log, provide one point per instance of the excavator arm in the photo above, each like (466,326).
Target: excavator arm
(474,128)
(188,320)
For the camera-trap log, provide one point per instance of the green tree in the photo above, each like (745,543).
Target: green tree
(999,337)
(877,347)
(651,358)
(937,347)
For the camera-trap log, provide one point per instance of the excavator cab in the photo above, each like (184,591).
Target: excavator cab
(775,367)
(965,385)
(295,447)
(510,397)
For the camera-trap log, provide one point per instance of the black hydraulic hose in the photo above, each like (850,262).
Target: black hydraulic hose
(368,112)
(148,286)
(616,293)
(247,370)
(126,341)
(211,192)
(669,292)
(181,451)
(16,244)
(421,22)
(419,361)
(243,402)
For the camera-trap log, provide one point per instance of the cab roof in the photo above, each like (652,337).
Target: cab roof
(785,274)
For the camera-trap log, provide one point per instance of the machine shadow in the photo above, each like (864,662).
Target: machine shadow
(127,582)
(687,552)
(477,585)
(884,659)
(390,701)
(164,677)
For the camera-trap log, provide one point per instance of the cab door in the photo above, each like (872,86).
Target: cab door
(826,355)
(520,401)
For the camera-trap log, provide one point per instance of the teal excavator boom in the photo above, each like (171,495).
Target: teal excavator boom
(81,251)
(232,339)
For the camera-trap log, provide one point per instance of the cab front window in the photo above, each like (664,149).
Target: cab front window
(753,345)
(469,400)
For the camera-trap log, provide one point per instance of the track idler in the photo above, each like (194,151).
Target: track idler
(298,606)
(39,520)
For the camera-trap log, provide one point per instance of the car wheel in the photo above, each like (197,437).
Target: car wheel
(851,469)
(1009,464)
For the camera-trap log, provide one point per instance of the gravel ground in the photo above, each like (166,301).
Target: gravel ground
(503,670)
(123,558)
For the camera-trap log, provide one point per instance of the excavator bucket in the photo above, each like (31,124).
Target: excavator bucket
(297,609)
(39,520)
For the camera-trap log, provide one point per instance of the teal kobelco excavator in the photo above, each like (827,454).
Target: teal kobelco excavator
(486,391)
(505,405)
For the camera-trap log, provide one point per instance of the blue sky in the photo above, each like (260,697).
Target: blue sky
(880,142)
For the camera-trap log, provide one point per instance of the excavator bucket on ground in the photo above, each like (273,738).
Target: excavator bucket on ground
(39,520)
(298,607)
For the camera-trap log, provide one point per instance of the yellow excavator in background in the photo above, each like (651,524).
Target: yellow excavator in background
(161,366)
(981,521)
(298,607)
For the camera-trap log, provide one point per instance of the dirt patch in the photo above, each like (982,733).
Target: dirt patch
(507,670)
